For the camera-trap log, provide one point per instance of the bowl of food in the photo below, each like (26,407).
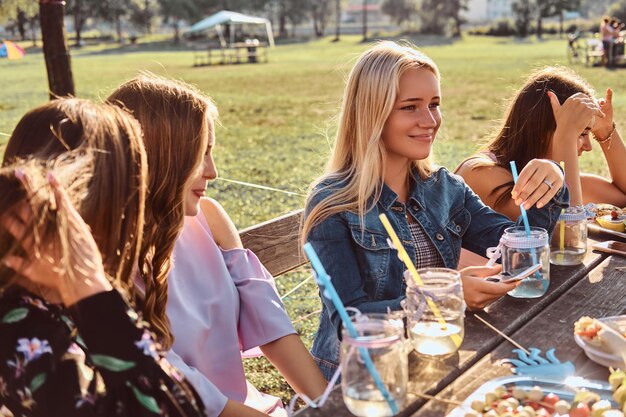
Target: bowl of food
(598,347)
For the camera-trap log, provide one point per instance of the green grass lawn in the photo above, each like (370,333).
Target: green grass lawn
(277,118)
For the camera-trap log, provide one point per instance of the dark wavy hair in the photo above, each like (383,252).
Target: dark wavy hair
(529,123)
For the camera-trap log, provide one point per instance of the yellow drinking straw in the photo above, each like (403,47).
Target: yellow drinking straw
(409,264)
(561,256)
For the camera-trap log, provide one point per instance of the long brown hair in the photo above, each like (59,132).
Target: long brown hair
(114,200)
(358,156)
(529,123)
(35,210)
(174,117)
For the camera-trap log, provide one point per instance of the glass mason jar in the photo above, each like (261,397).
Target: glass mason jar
(435,311)
(521,251)
(568,245)
(381,337)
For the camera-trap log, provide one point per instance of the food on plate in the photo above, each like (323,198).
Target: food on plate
(608,216)
(612,221)
(605,336)
(603,209)
(522,402)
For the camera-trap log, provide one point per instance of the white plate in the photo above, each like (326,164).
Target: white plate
(599,356)
(566,390)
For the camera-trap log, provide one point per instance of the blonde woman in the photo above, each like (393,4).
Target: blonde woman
(381,164)
(220,297)
(71,344)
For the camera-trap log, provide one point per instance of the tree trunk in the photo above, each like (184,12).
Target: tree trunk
(457,26)
(33,30)
(55,50)
(561,25)
(21,22)
(364,20)
(118,28)
(78,24)
(337,20)
(539,28)
(282,20)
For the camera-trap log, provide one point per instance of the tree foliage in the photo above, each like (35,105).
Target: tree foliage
(399,10)
(21,13)
(523,16)
(618,10)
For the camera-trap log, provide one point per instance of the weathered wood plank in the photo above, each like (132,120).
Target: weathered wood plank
(599,295)
(276,242)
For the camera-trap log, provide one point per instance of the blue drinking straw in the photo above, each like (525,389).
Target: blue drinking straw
(328,290)
(525,218)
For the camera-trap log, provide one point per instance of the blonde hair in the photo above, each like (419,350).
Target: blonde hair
(358,157)
(108,141)
(174,117)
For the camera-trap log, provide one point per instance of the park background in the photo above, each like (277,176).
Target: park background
(278,118)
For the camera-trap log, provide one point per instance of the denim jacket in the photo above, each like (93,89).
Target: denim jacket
(367,273)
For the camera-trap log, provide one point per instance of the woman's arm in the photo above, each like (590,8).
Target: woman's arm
(289,355)
(483,180)
(573,117)
(597,189)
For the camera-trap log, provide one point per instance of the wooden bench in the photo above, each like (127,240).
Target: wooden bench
(276,242)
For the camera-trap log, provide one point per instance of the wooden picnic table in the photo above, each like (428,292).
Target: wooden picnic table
(594,288)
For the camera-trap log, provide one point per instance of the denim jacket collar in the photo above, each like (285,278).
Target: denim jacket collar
(388,197)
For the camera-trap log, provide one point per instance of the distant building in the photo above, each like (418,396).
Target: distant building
(499,9)
(484,11)
(353,12)
(476,11)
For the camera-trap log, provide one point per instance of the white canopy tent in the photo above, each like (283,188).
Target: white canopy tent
(225,17)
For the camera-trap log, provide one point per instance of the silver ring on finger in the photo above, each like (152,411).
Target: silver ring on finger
(548,183)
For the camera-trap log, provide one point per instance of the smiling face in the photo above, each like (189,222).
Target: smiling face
(410,129)
(197,183)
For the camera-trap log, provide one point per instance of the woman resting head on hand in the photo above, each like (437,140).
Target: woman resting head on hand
(114,210)
(71,345)
(554,116)
(381,163)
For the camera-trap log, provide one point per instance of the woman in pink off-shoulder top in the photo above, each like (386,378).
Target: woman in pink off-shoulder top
(220,299)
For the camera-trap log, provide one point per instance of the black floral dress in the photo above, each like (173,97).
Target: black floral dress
(96,358)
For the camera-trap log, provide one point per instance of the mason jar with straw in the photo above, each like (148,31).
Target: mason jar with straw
(434,334)
(568,245)
(522,249)
(382,337)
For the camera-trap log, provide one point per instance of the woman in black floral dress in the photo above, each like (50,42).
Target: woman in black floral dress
(70,345)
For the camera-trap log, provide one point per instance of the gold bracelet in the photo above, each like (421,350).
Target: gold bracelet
(607,139)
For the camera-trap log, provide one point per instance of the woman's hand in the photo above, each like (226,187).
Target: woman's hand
(538,182)
(604,125)
(479,293)
(73,272)
(576,114)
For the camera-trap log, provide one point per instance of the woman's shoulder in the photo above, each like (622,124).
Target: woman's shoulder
(324,188)
(476,162)
(220,224)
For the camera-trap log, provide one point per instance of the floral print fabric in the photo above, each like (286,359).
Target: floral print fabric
(97,358)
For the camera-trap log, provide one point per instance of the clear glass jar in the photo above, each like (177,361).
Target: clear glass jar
(521,251)
(568,245)
(382,337)
(436,331)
